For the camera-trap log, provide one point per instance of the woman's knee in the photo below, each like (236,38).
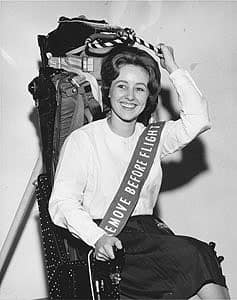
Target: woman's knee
(213,291)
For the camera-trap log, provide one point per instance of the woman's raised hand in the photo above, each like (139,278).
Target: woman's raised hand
(167,59)
(104,247)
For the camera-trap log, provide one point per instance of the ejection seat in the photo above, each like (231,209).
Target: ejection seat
(67,97)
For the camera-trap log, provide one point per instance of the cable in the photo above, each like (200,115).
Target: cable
(90,274)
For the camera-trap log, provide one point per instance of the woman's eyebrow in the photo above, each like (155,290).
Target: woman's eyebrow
(125,81)
(121,80)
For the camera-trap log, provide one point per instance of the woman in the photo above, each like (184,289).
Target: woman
(93,160)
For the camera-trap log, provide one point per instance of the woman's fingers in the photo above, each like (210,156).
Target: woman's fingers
(166,51)
(118,244)
(159,53)
(109,251)
(105,253)
(101,256)
(104,247)
(167,59)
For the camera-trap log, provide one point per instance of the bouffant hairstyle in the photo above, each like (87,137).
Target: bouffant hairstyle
(123,55)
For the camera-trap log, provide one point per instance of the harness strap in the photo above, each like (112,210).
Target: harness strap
(85,90)
(128,193)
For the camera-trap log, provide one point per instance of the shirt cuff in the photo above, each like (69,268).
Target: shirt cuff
(95,236)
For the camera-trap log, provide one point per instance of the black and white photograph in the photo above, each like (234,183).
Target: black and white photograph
(117,154)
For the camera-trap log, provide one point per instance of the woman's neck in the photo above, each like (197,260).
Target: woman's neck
(121,127)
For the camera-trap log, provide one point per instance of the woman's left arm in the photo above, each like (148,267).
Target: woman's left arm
(194,117)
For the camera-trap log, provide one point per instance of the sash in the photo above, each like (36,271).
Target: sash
(128,193)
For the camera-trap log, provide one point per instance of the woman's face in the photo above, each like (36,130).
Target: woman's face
(129,92)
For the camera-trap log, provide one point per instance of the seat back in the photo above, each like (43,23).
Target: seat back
(65,101)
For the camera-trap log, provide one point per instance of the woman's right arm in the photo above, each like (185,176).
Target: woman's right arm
(66,201)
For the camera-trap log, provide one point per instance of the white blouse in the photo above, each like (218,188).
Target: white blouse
(94,159)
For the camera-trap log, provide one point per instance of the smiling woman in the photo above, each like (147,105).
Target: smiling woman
(128,96)
(94,159)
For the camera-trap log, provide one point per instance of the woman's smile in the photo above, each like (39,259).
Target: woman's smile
(128,106)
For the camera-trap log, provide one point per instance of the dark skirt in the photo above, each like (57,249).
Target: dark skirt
(162,265)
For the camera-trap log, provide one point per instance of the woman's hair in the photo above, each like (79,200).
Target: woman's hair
(123,55)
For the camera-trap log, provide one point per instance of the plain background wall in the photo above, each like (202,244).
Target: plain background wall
(203,35)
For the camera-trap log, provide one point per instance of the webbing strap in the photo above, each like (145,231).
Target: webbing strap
(128,193)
